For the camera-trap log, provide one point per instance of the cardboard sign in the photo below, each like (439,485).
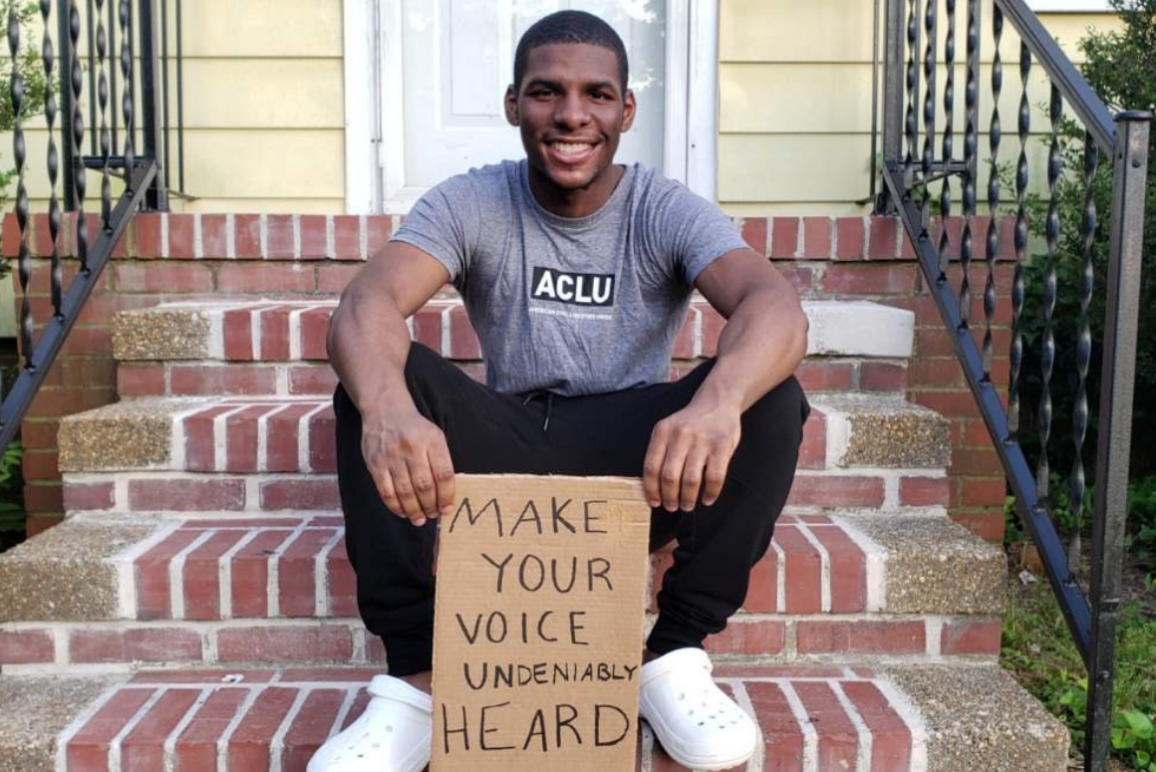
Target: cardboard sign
(538,624)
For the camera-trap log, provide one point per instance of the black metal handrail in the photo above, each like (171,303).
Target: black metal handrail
(909,173)
(145,186)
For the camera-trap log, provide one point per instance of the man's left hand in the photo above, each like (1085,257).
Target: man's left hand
(689,453)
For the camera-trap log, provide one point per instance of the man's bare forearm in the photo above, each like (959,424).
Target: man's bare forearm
(761,345)
(368,345)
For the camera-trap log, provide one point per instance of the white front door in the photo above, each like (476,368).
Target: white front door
(458,60)
(425,81)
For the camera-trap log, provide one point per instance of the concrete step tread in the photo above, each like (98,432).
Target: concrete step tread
(278,330)
(296,434)
(851,717)
(101,590)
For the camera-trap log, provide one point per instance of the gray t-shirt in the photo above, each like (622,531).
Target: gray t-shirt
(570,305)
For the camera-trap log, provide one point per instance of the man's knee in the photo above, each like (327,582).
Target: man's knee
(424,366)
(777,418)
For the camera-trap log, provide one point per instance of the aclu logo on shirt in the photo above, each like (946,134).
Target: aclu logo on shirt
(580,289)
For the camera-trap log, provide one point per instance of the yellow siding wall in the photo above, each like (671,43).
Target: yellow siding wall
(264,105)
(795,99)
(264,109)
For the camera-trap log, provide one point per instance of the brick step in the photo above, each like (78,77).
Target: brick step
(207,378)
(113,646)
(143,491)
(281,589)
(294,331)
(180,349)
(886,719)
(245,435)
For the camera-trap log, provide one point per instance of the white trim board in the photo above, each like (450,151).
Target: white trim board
(375,124)
(1070,6)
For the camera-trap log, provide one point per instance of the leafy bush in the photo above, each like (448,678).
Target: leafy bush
(12,515)
(1142,521)
(11,511)
(1121,68)
(1140,539)
(36,88)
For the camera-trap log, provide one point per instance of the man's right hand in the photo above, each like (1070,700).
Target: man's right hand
(409,460)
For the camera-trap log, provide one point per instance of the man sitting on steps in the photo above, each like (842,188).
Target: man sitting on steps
(576,274)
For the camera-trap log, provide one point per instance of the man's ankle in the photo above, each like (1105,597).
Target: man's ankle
(422,681)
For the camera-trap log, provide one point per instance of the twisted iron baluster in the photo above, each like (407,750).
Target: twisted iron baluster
(16,92)
(127,94)
(78,136)
(1021,245)
(105,137)
(928,110)
(49,56)
(948,137)
(970,148)
(993,194)
(1052,234)
(112,24)
(1084,337)
(911,123)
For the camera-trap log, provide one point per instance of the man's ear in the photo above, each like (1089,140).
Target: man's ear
(511,102)
(628,109)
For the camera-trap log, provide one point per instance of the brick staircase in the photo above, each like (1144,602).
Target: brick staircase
(196,611)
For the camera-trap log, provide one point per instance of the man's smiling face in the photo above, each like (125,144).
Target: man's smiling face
(570,109)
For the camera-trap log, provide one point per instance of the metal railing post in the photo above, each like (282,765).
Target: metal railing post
(1117,382)
(894,78)
(68,152)
(157,198)
(972,99)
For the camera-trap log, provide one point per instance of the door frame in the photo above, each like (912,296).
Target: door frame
(375,124)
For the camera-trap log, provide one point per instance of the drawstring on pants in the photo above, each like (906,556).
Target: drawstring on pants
(549,404)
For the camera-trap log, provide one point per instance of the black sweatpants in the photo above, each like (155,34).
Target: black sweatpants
(606,434)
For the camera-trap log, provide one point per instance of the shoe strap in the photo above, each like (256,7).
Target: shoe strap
(391,688)
(680,662)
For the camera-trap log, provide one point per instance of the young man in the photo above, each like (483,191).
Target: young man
(576,274)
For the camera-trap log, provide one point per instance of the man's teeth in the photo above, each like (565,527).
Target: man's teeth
(571,148)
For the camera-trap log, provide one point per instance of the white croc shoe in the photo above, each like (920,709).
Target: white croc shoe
(698,725)
(392,735)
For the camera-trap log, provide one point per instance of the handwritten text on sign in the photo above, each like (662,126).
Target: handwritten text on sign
(538,629)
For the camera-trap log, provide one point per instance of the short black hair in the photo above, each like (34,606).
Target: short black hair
(570,27)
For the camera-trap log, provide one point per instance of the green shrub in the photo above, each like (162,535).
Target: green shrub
(1140,538)
(1121,68)
(36,88)
(12,515)
(1142,520)
(11,512)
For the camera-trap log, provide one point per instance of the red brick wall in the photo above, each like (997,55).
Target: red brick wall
(872,259)
(200,256)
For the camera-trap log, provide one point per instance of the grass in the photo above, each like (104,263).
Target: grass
(1038,650)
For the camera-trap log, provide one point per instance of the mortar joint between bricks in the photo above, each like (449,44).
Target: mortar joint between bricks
(363,236)
(198,237)
(230,236)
